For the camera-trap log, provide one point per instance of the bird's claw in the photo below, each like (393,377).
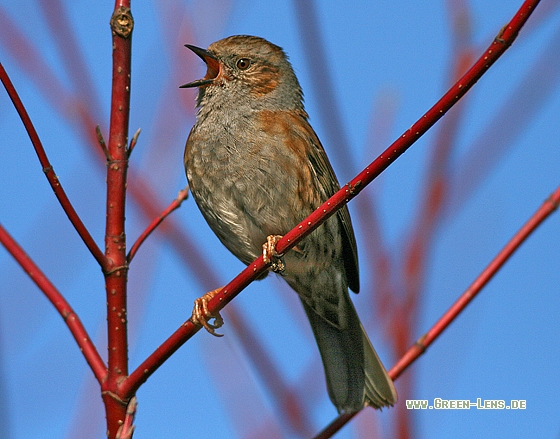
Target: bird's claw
(270,255)
(201,315)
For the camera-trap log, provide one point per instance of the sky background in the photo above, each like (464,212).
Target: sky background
(388,63)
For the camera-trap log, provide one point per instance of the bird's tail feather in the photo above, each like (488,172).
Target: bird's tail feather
(379,388)
(355,375)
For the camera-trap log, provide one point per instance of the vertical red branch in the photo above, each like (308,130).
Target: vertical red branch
(115,238)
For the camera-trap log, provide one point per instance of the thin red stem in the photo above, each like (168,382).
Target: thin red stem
(175,204)
(49,171)
(59,302)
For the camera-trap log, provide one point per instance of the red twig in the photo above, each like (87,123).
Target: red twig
(500,44)
(182,196)
(49,171)
(133,141)
(102,143)
(59,302)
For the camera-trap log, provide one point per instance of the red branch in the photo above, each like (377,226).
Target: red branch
(59,302)
(501,43)
(49,171)
(175,204)
(115,238)
(549,206)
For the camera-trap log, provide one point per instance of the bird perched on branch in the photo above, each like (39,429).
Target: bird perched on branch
(256,168)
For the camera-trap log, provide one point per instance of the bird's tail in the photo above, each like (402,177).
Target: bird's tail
(355,375)
(379,388)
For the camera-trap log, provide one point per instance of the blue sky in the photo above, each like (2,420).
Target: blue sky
(388,62)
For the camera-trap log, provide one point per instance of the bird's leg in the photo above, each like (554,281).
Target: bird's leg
(270,254)
(201,314)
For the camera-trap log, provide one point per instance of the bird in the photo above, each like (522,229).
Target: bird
(256,168)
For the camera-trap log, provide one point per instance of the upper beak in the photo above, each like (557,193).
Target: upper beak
(212,64)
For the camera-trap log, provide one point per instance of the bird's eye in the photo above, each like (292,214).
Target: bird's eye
(243,63)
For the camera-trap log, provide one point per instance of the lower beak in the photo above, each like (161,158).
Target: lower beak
(212,64)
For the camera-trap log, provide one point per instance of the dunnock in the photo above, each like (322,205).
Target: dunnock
(256,168)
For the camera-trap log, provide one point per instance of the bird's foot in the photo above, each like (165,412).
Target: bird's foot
(201,315)
(271,256)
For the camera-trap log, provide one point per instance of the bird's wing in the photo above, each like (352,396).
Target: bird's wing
(328,181)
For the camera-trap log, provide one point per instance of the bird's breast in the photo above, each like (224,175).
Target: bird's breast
(232,185)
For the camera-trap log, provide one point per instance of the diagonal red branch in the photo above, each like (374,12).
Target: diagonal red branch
(175,204)
(59,302)
(503,40)
(545,210)
(49,171)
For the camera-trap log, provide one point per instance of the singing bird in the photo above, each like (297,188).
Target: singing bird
(256,168)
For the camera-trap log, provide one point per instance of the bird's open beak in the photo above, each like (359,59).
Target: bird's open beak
(212,64)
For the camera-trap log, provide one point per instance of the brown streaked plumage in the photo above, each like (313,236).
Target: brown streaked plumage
(256,168)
